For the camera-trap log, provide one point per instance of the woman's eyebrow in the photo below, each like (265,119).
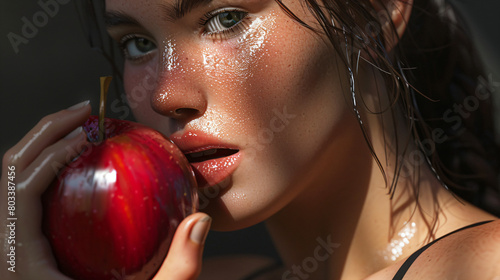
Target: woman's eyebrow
(117,18)
(181,7)
(172,12)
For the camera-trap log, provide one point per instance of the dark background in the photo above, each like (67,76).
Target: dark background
(57,69)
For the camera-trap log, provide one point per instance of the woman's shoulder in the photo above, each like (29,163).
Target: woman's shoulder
(239,267)
(469,254)
(472,253)
(477,252)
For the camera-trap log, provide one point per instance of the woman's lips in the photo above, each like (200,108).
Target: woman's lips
(208,154)
(212,160)
(213,171)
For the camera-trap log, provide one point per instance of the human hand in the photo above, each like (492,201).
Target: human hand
(33,164)
(184,258)
(35,161)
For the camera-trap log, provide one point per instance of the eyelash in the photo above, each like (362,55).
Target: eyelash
(227,33)
(123,46)
(220,35)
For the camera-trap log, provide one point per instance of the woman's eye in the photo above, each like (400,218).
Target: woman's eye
(223,21)
(137,47)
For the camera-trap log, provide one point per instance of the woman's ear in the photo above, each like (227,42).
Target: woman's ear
(394,16)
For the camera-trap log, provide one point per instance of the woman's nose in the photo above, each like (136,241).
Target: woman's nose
(180,93)
(180,104)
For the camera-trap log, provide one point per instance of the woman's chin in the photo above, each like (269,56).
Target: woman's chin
(232,215)
(224,220)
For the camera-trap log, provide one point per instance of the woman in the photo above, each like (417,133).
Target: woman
(335,122)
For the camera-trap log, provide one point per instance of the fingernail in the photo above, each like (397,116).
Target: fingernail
(200,230)
(79,105)
(74,133)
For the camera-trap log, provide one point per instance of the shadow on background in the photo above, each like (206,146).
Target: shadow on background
(56,69)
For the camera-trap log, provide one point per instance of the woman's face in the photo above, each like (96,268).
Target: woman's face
(248,94)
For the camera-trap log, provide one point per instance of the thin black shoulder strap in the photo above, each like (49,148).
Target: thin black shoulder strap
(406,265)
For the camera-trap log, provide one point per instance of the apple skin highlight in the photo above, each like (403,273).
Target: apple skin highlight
(114,209)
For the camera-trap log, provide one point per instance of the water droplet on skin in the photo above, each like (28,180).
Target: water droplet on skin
(395,248)
(170,55)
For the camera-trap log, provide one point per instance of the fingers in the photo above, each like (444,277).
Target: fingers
(32,182)
(33,250)
(39,265)
(50,129)
(37,158)
(41,172)
(184,258)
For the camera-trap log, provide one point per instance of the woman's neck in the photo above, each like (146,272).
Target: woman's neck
(344,224)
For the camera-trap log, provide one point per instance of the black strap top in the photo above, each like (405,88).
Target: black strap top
(399,275)
(406,265)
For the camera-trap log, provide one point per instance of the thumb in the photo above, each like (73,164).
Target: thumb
(184,258)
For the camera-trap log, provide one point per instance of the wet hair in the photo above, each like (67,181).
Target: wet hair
(436,83)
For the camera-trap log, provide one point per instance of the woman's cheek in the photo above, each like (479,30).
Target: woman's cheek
(232,63)
(295,96)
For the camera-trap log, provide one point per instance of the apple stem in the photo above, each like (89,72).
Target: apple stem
(105,82)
